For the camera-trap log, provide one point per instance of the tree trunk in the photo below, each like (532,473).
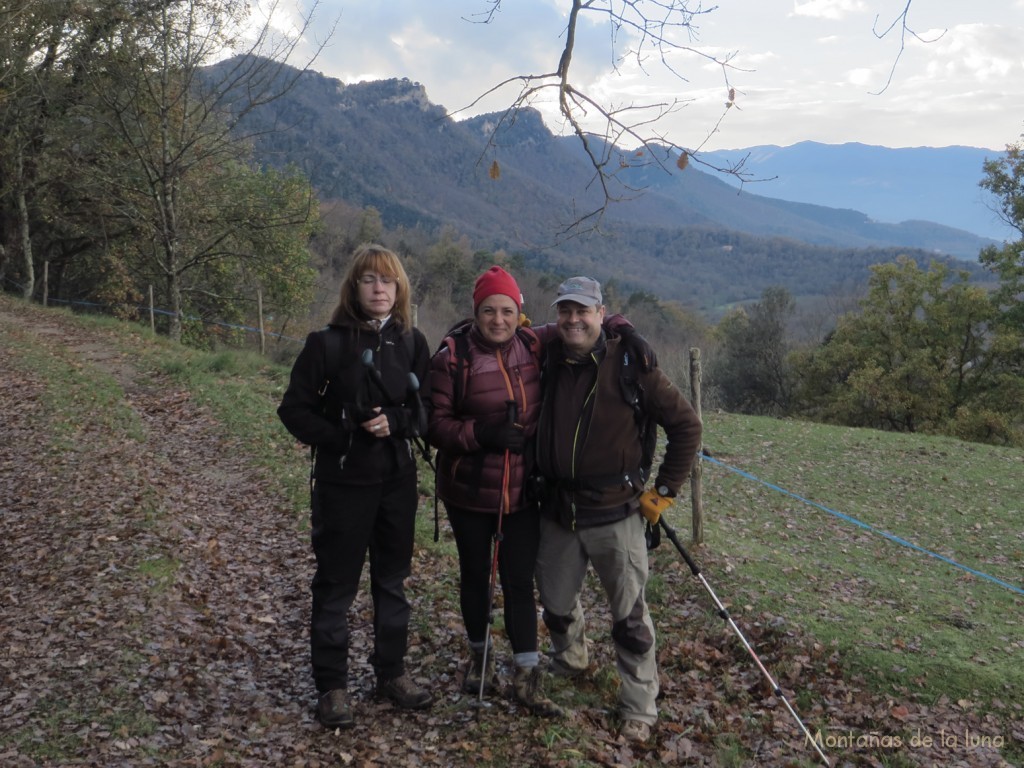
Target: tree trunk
(24,228)
(174,294)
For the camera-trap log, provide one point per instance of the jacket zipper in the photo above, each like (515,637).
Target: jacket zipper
(575,449)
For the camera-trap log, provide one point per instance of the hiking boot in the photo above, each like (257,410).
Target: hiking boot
(527,688)
(636,731)
(333,710)
(472,682)
(561,669)
(405,693)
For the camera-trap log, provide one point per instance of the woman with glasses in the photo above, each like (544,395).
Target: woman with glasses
(351,398)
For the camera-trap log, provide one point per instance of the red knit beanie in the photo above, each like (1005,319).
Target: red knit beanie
(496,280)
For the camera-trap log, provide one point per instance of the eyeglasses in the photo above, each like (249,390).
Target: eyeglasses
(382,279)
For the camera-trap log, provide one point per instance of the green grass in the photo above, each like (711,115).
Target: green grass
(82,398)
(909,622)
(49,739)
(242,391)
(159,571)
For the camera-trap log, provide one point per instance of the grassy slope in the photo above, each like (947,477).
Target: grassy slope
(909,621)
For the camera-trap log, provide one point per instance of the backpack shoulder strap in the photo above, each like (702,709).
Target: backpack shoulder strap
(332,357)
(532,341)
(633,393)
(459,345)
(456,341)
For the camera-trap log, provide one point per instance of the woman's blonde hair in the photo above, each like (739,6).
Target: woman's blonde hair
(373,258)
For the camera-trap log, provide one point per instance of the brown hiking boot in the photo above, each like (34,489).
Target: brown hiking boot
(405,693)
(472,682)
(561,669)
(635,731)
(527,688)
(333,710)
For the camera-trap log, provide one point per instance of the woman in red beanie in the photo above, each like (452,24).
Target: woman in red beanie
(485,391)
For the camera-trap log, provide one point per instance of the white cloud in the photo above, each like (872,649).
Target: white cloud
(803,69)
(862,77)
(828,9)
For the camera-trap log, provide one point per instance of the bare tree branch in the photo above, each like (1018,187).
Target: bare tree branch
(900,23)
(652,31)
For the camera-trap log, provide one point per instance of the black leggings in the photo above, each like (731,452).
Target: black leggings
(349,521)
(517,558)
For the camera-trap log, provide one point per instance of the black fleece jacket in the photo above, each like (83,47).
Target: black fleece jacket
(346,453)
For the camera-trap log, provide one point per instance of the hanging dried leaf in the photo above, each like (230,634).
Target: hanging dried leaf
(683,161)
(495,171)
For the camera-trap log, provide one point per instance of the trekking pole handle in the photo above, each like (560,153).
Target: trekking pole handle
(375,376)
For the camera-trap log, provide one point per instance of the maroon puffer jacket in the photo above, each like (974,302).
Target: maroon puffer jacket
(468,476)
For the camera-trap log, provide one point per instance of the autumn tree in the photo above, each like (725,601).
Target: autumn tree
(44,50)
(119,161)
(919,357)
(750,372)
(1004,178)
(202,215)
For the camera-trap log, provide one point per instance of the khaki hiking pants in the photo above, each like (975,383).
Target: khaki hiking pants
(618,554)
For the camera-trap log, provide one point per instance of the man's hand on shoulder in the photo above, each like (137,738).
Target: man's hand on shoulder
(638,347)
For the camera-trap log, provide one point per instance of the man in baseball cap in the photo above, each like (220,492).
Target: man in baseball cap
(582,290)
(590,454)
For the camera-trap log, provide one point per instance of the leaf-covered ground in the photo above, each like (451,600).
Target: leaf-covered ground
(154,601)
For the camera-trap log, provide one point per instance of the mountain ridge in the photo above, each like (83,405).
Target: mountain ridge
(384,144)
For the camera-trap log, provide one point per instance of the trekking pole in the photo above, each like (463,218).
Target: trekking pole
(510,416)
(414,390)
(420,420)
(725,615)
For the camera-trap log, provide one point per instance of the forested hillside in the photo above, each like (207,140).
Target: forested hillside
(687,237)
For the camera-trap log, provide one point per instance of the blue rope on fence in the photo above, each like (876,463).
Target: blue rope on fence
(867,527)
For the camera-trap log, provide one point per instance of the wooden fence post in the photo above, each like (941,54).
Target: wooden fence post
(152,312)
(46,282)
(695,473)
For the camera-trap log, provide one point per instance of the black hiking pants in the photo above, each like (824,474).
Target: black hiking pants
(347,522)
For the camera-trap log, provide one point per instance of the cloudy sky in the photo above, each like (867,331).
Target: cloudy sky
(801,69)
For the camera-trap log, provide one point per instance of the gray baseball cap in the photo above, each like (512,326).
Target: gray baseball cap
(582,290)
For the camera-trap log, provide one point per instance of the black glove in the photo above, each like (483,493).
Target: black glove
(500,437)
(354,415)
(638,347)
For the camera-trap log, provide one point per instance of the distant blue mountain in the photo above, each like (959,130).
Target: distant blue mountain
(938,184)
